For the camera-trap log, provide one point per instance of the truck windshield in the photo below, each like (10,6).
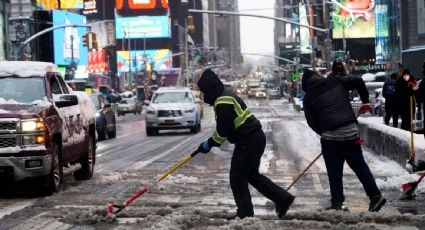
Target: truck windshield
(22,90)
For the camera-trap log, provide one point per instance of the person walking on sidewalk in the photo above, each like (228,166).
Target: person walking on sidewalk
(236,124)
(328,112)
(388,92)
(405,88)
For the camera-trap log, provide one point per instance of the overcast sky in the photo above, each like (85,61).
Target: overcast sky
(257,33)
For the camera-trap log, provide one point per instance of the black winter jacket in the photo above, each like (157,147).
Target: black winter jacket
(327,104)
(225,114)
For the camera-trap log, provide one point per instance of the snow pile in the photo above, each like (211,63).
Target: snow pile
(31,68)
(265,161)
(402,136)
(181,179)
(8,102)
(108,178)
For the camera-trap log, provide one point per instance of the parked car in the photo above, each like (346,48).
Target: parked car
(46,129)
(172,108)
(273,93)
(129,105)
(105,117)
(199,101)
(379,105)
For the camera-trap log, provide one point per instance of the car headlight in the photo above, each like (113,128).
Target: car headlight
(30,125)
(151,112)
(190,110)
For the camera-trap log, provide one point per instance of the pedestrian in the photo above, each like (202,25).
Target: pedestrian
(328,112)
(388,92)
(421,90)
(236,124)
(405,88)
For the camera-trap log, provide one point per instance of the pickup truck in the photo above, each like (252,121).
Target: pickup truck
(46,129)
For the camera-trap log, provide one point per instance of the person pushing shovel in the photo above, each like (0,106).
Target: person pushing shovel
(329,113)
(236,124)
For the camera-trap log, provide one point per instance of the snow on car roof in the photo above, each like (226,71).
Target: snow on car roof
(167,89)
(26,68)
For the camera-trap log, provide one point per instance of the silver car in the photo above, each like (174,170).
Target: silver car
(172,108)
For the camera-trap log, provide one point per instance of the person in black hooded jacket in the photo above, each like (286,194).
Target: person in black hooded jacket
(236,124)
(329,113)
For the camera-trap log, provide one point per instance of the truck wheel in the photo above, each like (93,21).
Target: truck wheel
(87,163)
(54,179)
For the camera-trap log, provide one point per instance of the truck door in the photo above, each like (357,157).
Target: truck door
(73,135)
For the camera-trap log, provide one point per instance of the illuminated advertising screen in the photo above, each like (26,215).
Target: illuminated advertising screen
(142,27)
(161,59)
(68,41)
(59,4)
(304,32)
(140,4)
(382,31)
(353,19)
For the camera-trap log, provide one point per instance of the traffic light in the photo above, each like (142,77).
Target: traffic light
(190,25)
(89,40)
(86,39)
(93,41)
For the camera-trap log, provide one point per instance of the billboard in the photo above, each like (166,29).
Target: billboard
(59,4)
(304,32)
(140,4)
(382,33)
(353,19)
(68,41)
(142,27)
(161,59)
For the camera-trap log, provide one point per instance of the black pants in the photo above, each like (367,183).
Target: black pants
(335,153)
(390,112)
(244,169)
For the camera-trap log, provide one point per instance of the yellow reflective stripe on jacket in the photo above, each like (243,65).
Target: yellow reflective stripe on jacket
(241,119)
(242,115)
(217,138)
(230,101)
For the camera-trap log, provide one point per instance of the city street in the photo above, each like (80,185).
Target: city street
(198,195)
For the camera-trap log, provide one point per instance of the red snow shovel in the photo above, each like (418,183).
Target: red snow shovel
(409,188)
(116,208)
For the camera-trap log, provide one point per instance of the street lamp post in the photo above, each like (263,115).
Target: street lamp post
(186,55)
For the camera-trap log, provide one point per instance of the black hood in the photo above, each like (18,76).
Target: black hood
(211,86)
(306,76)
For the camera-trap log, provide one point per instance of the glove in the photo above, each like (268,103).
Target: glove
(413,84)
(365,108)
(204,147)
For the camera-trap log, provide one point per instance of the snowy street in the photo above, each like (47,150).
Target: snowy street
(198,195)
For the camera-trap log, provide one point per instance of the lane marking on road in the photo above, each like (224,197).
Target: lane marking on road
(141,164)
(15,207)
(316,182)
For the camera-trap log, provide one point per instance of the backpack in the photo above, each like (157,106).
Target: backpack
(389,88)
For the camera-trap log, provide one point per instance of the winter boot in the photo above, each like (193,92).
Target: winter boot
(338,207)
(376,203)
(282,209)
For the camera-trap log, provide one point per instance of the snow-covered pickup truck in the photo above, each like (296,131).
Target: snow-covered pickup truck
(46,129)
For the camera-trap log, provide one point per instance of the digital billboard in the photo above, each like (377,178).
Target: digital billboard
(68,41)
(142,27)
(161,59)
(382,31)
(304,32)
(353,19)
(59,4)
(140,4)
